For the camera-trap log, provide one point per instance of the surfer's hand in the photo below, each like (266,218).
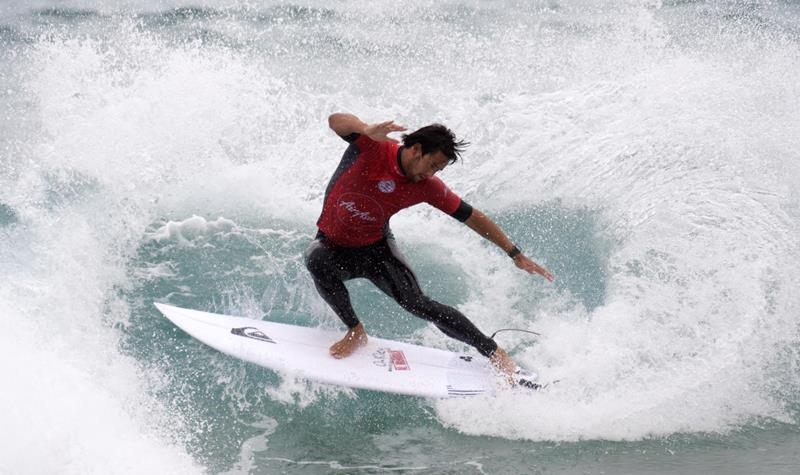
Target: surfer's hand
(522,261)
(380,132)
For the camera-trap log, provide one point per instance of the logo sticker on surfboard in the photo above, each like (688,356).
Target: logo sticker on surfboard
(252,332)
(392,360)
(399,361)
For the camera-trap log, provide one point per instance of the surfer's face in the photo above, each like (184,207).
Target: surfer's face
(424,166)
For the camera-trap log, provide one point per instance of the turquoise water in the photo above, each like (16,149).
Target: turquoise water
(645,152)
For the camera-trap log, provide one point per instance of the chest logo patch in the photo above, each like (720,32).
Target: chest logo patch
(386,186)
(355,209)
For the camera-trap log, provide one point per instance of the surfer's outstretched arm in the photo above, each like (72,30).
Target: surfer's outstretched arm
(345,124)
(488,229)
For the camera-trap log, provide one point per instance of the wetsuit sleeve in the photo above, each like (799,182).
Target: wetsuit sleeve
(440,196)
(361,141)
(350,138)
(463,212)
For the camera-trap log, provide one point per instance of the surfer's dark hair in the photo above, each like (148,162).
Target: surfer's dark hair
(436,138)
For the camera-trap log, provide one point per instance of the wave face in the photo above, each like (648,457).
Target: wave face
(645,152)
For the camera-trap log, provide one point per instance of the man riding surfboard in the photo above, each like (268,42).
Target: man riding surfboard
(376,178)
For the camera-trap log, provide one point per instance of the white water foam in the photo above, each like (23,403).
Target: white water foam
(118,145)
(682,162)
(73,403)
(81,208)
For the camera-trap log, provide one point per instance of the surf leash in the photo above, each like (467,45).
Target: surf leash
(514,330)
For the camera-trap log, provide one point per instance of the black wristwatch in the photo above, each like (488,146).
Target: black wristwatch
(514,252)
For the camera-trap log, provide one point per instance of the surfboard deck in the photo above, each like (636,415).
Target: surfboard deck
(382,365)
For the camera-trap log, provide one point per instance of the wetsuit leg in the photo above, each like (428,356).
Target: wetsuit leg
(329,269)
(395,278)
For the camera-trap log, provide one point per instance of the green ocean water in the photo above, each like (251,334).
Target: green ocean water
(645,152)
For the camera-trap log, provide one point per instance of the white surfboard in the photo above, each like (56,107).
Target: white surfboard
(381,365)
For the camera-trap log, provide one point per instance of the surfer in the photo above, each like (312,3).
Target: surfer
(377,177)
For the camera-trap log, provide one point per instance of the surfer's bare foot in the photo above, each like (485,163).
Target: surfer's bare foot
(355,338)
(504,364)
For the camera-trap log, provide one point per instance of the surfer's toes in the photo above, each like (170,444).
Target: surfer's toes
(504,365)
(348,345)
(340,351)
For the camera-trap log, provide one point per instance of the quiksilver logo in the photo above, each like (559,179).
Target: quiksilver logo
(252,332)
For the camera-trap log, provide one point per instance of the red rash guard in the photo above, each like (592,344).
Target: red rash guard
(369,187)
